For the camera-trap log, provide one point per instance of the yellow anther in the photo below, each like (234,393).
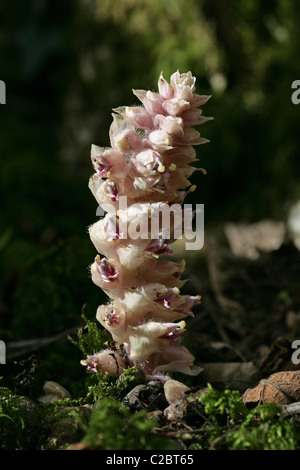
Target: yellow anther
(161,168)
(172,167)
(193,188)
(182,264)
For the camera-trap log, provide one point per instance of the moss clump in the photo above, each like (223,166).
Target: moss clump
(11,421)
(230,425)
(61,423)
(113,426)
(100,386)
(226,404)
(90,338)
(263,429)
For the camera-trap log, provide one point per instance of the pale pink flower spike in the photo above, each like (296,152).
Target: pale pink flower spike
(149,163)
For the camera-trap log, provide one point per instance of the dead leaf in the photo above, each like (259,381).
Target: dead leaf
(280,388)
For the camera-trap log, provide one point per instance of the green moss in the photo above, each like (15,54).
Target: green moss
(100,386)
(113,426)
(263,429)
(218,404)
(108,424)
(59,409)
(90,338)
(230,425)
(11,421)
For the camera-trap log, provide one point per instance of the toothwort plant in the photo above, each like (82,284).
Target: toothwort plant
(148,166)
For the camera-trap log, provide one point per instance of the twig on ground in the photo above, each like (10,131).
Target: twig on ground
(19,348)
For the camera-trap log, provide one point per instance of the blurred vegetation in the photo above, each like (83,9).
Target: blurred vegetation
(66,64)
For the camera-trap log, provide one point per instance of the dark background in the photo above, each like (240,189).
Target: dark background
(66,64)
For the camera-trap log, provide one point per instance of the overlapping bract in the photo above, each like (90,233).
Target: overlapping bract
(149,162)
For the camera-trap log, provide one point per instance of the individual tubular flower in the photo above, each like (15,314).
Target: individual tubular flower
(149,163)
(108,361)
